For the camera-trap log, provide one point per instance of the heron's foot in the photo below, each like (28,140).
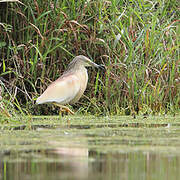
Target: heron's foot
(67,110)
(64,108)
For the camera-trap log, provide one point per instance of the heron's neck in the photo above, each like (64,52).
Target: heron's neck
(76,67)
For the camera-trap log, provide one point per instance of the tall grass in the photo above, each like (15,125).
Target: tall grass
(137,41)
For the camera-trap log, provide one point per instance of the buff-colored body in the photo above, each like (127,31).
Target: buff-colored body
(69,88)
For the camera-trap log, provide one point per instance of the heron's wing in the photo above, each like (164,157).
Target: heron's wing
(62,91)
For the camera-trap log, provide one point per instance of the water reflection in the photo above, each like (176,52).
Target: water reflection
(74,160)
(69,163)
(98,151)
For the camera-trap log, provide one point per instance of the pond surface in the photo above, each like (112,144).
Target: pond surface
(77,147)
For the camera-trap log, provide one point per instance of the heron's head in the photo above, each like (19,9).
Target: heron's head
(84,61)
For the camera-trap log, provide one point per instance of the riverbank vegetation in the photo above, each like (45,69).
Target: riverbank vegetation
(137,41)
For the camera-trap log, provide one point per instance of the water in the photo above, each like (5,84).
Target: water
(90,148)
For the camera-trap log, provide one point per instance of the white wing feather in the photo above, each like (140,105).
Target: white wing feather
(61,91)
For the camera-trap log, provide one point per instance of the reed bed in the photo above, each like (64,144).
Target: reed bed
(137,41)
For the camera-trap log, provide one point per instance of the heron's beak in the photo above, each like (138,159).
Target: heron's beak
(101,66)
(93,64)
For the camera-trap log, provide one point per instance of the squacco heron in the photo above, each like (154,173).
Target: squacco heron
(68,88)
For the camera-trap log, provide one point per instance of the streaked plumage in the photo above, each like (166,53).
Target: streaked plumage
(68,88)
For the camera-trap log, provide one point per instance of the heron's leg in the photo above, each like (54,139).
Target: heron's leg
(63,108)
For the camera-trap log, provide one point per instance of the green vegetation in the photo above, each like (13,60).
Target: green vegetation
(90,147)
(137,41)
